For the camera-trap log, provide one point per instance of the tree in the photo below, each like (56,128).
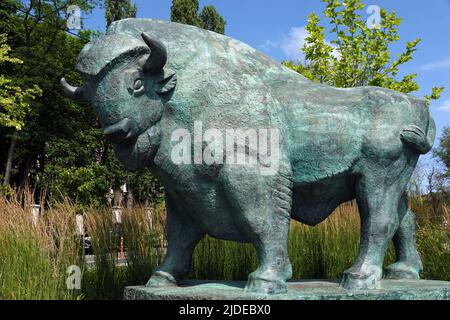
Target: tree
(443,151)
(212,20)
(14,103)
(37,35)
(442,179)
(61,146)
(118,10)
(187,12)
(358,55)
(145,187)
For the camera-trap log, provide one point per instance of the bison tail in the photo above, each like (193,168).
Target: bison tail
(416,138)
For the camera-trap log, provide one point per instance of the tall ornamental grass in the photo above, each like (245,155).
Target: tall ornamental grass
(34,257)
(141,243)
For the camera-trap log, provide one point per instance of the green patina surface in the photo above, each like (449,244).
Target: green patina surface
(302,290)
(148,78)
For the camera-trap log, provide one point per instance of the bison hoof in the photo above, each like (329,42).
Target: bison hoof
(257,284)
(401,270)
(161,279)
(362,280)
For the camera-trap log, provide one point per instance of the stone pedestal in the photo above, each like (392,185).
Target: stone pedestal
(297,290)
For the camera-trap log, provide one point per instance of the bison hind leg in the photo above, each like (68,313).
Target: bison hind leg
(379,194)
(409,264)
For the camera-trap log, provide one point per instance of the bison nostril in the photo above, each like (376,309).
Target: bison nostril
(122,131)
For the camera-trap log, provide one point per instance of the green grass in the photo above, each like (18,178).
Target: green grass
(34,259)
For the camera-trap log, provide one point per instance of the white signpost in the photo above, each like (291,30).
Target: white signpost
(35,212)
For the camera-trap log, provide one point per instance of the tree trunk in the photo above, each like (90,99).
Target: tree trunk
(9,160)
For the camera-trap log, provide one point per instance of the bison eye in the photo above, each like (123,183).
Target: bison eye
(138,84)
(138,87)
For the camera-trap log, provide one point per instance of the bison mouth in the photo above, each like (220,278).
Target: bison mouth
(123,132)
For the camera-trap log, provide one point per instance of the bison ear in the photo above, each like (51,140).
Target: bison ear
(167,84)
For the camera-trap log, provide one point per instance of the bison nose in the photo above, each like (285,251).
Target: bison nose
(122,132)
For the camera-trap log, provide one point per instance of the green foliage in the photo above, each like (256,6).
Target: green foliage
(145,187)
(357,55)
(212,20)
(5,190)
(118,10)
(443,151)
(61,147)
(86,185)
(14,101)
(37,36)
(435,94)
(187,12)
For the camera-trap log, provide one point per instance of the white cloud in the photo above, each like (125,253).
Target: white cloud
(291,44)
(445,106)
(436,65)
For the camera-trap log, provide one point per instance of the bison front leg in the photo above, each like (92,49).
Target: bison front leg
(261,208)
(182,236)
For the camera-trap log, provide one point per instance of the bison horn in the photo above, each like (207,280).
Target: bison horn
(158,57)
(74,93)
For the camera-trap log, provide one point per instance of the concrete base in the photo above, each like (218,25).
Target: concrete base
(297,290)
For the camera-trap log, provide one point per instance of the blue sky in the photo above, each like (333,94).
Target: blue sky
(275,27)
